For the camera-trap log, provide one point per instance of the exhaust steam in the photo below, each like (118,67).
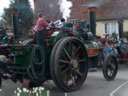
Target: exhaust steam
(65,8)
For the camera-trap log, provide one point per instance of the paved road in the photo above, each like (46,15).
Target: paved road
(121,91)
(95,85)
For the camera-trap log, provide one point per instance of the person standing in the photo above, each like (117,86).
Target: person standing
(40,30)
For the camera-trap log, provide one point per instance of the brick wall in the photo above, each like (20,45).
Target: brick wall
(79,12)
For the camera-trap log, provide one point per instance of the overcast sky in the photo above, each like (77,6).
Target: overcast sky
(5,4)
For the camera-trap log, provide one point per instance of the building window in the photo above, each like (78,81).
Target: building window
(111,27)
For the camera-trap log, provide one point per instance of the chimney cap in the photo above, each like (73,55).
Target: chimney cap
(90,5)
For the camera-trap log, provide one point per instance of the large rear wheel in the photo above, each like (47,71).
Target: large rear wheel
(69,65)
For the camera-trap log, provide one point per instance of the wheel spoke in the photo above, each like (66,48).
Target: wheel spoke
(67,54)
(64,61)
(62,66)
(73,79)
(73,52)
(73,49)
(111,73)
(70,46)
(110,62)
(77,50)
(68,79)
(66,70)
(113,66)
(78,73)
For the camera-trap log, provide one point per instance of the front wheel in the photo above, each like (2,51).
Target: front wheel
(68,64)
(37,68)
(110,68)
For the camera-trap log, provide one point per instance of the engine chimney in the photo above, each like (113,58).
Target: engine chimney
(14,22)
(92,19)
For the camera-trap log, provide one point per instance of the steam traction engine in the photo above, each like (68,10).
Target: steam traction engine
(64,60)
